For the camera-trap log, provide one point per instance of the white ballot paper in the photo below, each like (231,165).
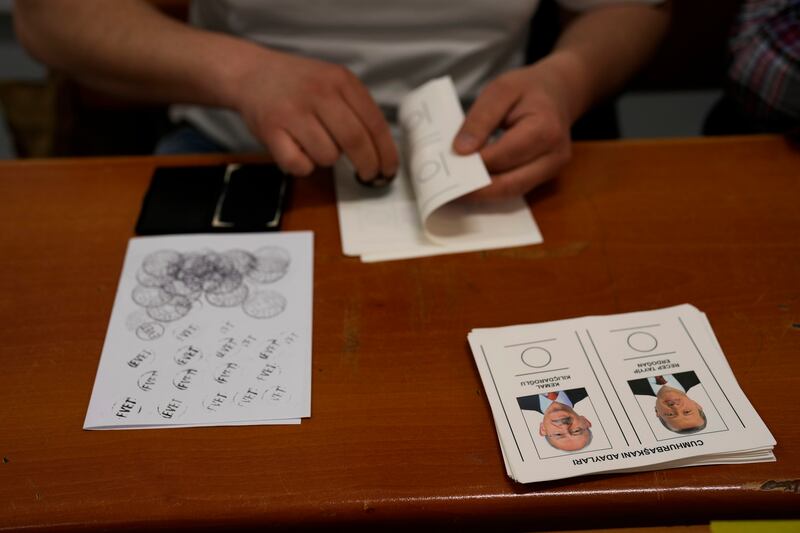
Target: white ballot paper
(636,391)
(419,213)
(208,330)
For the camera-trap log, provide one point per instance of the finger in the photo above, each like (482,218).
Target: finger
(352,137)
(315,141)
(288,154)
(358,98)
(520,180)
(527,140)
(485,115)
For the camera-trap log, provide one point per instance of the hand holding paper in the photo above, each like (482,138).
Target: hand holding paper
(529,104)
(419,214)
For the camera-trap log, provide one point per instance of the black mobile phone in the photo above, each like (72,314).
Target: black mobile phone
(219,198)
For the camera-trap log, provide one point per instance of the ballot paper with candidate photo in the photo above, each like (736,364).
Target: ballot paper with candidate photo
(208,330)
(629,392)
(420,214)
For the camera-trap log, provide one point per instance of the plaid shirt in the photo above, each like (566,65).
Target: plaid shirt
(765,71)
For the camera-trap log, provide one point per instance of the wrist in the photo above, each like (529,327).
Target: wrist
(565,72)
(231,64)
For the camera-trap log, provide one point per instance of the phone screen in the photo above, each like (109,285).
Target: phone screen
(235,197)
(252,197)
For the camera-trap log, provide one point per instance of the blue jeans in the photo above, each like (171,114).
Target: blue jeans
(187,139)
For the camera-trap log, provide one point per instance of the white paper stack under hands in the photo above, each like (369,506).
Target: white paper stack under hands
(636,391)
(418,214)
(208,330)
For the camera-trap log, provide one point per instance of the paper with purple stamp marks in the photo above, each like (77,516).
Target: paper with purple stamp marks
(208,330)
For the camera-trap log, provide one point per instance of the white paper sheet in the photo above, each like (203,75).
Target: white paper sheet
(419,213)
(607,359)
(208,330)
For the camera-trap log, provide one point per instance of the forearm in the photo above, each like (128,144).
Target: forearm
(130,49)
(601,49)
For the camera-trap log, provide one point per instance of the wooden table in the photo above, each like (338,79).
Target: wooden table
(401,432)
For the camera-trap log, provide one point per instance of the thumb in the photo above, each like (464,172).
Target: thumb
(485,115)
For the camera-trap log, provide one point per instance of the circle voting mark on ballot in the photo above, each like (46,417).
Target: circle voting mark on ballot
(171,409)
(187,354)
(278,393)
(264,304)
(126,407)
(536,357)
(641,341)
(149,331)
(271,264)
(215,401)
(148,380)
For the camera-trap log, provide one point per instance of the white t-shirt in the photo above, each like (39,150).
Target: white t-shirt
(671,380)
(392,47)
(562,398)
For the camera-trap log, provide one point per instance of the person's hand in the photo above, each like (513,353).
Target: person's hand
(309,112)
(530,106)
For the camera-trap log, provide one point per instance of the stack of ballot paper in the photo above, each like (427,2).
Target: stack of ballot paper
(636,391)
(419,214)
(208,330)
